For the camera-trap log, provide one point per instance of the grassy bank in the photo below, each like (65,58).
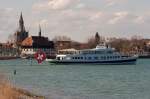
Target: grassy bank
(7,91)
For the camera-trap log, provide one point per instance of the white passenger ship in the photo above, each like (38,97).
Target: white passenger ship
(100,55)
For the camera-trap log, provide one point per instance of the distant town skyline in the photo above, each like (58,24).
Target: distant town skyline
(78,19)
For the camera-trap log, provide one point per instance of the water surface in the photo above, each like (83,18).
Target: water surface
(81,81)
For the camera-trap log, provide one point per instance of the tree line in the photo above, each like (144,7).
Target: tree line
(136,44)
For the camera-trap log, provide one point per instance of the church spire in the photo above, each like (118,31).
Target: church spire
(21,23)
(39,30)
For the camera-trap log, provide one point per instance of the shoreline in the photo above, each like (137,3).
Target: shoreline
(7,91)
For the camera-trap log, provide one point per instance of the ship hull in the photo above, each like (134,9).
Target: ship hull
(113,62)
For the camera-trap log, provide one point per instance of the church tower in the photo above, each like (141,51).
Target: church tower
(40,31)
(21,33)
(21,24)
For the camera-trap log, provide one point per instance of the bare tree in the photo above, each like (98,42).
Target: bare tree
(11,38)
(61,38)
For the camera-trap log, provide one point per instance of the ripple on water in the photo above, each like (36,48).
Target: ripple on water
(81,81)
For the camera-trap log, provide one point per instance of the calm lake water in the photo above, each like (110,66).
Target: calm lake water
(81,81)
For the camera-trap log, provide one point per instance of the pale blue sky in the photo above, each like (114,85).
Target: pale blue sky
(78,19)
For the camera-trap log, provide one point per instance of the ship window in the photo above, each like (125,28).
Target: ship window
(58,58)
(96,58)
(109,52)
(89,58)
(100,52)
(93,52)
(116,56)
(104,58)
(107,57)
(75,57)
(81,57)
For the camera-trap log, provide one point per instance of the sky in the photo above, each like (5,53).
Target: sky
(77,19)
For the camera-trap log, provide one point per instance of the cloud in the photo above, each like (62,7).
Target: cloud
(139,20)
(71,22)
(80,5)
(96,15)
(77,17)
(54,4)
(7,22)
(86,21)
(59,4)
(118,16)
(44,22)
(6,18)
(114,2)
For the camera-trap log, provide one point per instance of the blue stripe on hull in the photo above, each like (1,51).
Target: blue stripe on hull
(131,61)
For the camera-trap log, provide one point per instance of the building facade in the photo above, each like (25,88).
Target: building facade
(34,43)
(7,50)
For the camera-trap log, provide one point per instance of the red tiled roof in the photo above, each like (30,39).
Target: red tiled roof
(37,41)
(27,42)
